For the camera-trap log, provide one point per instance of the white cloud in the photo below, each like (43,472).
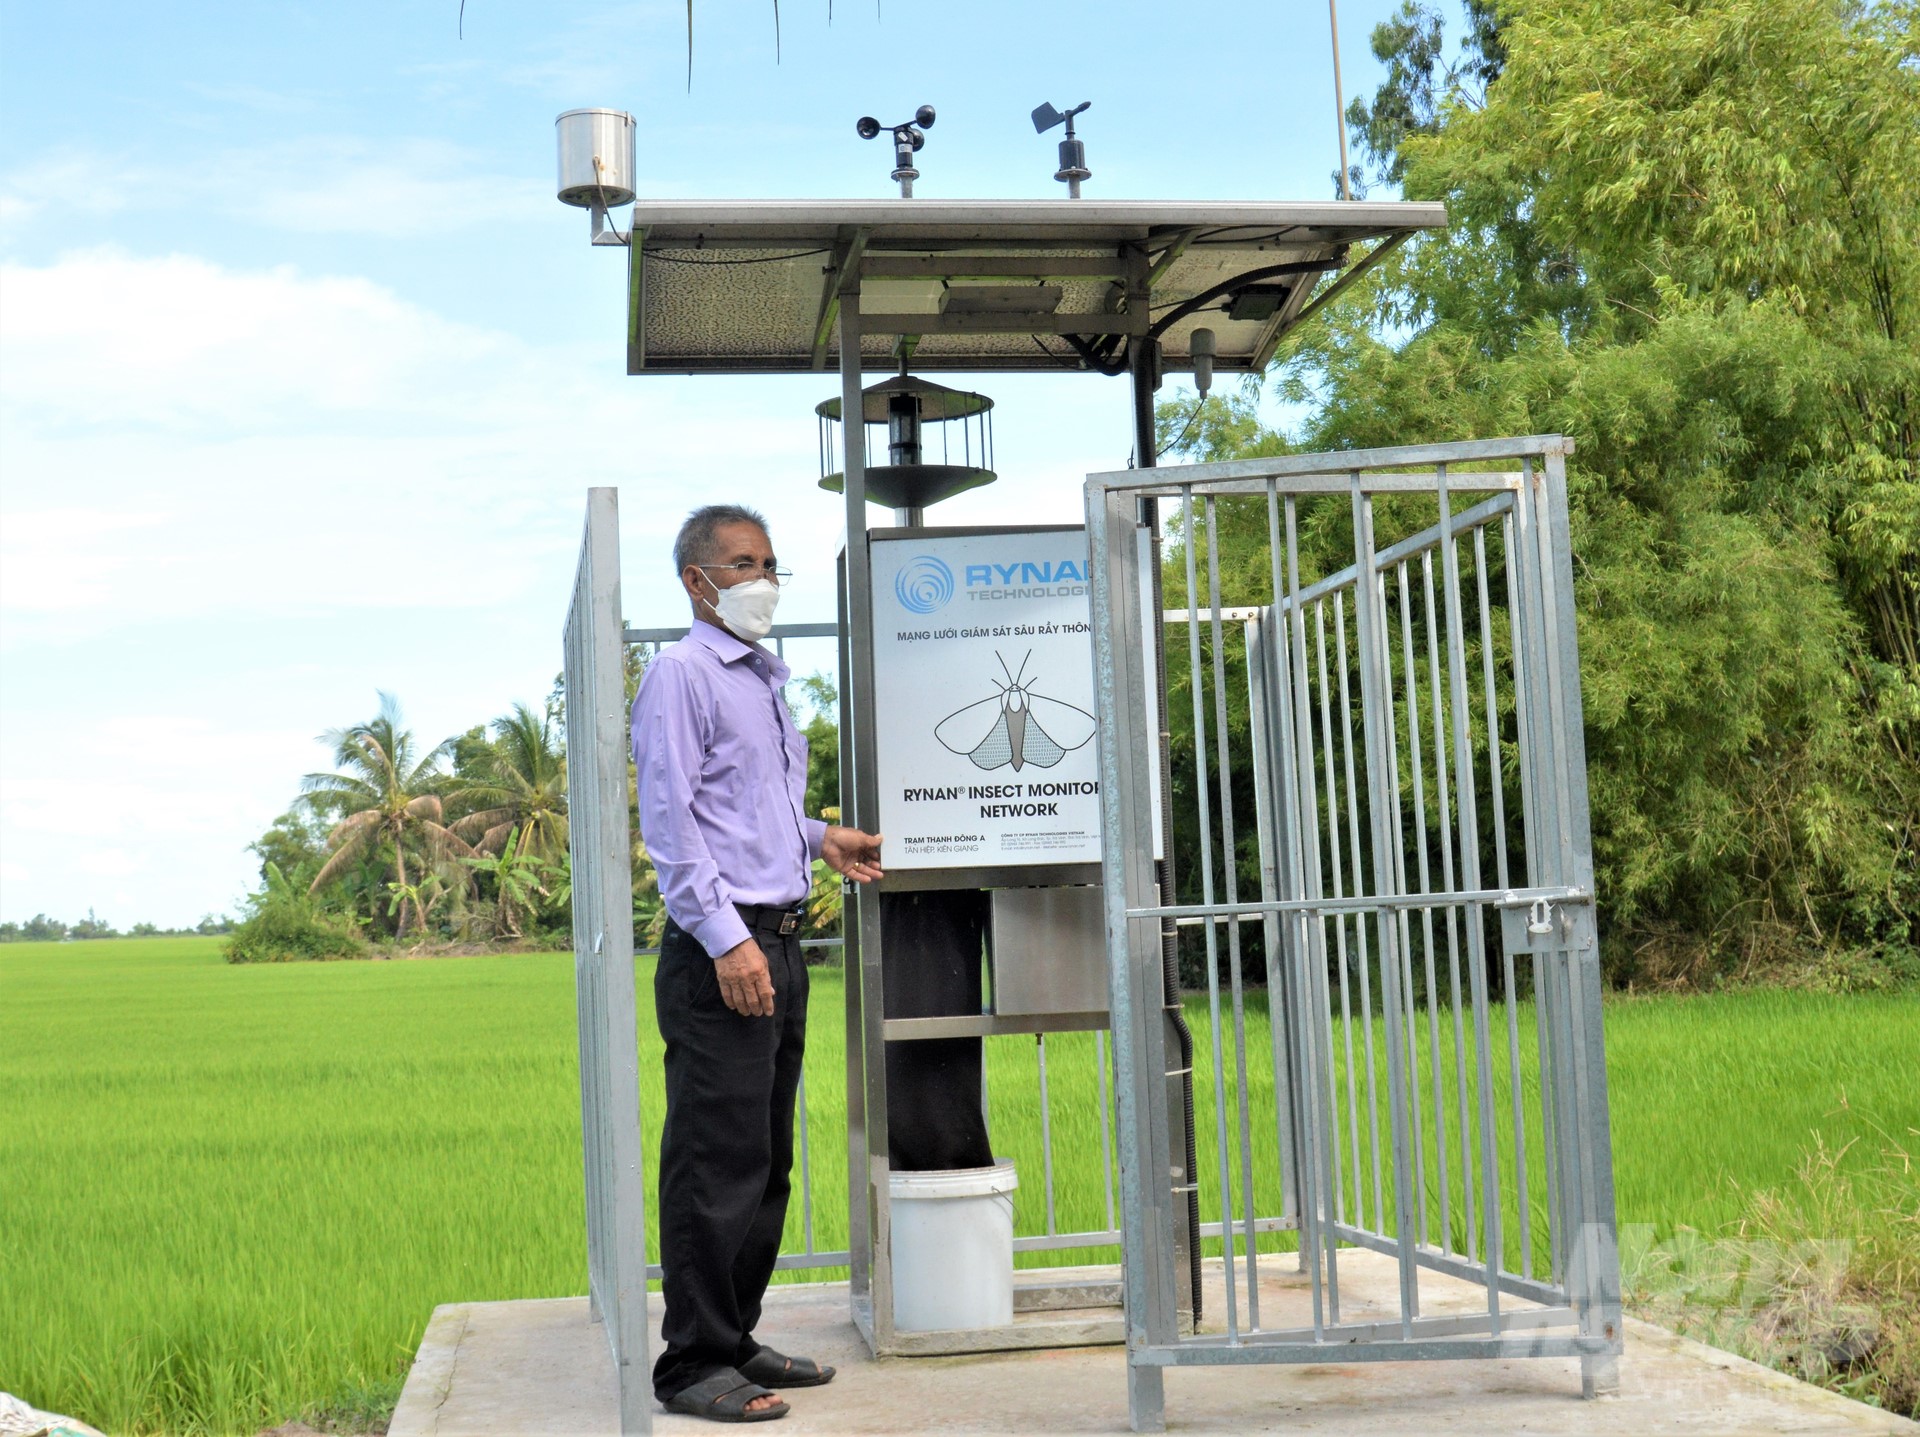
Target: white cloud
(253,97)
(101,341)
(62,559)
(183,438)
(163,804)
(236,502)
(401,187)
(414,187)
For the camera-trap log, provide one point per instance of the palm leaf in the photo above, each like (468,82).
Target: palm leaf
(481,821)
(441,839)
(351,838)
(425,806)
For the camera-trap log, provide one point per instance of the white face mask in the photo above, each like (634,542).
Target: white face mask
(747,609)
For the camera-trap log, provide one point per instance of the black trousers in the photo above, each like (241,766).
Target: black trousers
(726,1154)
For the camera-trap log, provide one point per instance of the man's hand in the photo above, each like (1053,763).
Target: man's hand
(850,852)
(744,984)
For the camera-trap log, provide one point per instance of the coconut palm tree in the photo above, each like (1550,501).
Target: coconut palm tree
(522,785)
(384,791)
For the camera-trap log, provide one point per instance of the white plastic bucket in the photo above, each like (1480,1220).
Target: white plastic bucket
(953,1248)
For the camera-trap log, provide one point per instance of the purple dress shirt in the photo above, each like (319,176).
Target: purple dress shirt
(722,775)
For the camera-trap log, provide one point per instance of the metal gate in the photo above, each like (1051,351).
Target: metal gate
(1428,1096)
(603,958)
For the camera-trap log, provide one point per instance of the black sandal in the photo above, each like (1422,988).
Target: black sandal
(723,1397)
(771,1369)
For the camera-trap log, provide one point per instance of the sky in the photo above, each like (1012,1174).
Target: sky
(304,372)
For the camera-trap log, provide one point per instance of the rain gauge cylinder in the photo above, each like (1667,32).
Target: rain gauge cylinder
(596,158)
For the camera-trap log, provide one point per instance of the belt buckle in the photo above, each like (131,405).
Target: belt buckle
(789,922)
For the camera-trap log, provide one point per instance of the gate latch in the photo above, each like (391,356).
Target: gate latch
(1545,922)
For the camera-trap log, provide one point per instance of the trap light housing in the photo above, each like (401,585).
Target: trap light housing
(906,404)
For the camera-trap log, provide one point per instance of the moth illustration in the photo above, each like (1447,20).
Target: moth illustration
(1016,726)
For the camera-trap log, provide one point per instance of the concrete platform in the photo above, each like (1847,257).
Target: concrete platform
(525,1369)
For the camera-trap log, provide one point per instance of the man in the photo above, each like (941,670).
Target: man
(722,778)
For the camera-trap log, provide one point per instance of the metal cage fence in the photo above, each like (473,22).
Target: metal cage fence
(1415,902)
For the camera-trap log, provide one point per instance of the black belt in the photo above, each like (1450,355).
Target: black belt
(772,917)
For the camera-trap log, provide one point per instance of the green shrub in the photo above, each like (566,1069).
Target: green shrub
(285,927)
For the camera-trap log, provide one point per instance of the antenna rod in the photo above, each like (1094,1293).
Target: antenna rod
(1339,100)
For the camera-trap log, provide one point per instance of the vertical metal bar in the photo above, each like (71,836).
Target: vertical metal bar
(1143,364)
(1468,810)
(1449,914)
(1133,951)
(1504,878)
(1535,733)
(1339,921)
(1359,929)
(1314,1021)
(1435,1064)
(1230,849)
(853,1026)
(1283,999)
(1260,736)
(1600,1279)
(1372,652)
(859,782)
(1197,680)
(1046,1126)
(1403,1051)
(1408,668)
(1495,768)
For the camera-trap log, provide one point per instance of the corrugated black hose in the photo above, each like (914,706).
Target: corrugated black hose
(1170,934)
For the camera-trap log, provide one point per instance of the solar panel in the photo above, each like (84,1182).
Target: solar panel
(754,286)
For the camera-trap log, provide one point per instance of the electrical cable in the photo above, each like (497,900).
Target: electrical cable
(658,258)
(1198,405)
(1234,286)
(1058,359)
(1106,364)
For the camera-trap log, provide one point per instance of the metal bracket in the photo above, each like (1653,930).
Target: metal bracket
(847,251)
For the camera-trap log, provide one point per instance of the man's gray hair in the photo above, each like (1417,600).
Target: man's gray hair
(694,544)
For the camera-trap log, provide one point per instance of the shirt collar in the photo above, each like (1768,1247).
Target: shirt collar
(731,649)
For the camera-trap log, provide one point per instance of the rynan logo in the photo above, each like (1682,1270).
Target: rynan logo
(924,584)
(1064,571)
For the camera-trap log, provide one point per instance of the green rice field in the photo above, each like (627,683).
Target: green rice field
(233,1195)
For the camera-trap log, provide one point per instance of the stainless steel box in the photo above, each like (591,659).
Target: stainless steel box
(1049,950)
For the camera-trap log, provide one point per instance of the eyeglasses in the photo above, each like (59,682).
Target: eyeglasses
(746,568)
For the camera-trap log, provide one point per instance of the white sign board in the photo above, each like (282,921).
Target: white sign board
(983,700)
